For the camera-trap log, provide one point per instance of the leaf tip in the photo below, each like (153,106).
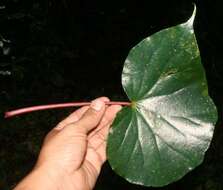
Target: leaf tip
(190,21)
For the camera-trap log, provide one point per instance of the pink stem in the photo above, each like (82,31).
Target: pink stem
(54,106)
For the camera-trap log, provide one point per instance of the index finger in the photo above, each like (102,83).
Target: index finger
(75,116)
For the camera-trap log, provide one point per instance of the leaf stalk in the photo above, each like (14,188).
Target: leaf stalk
(56,106)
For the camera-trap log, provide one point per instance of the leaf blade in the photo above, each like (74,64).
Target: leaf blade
(171,123)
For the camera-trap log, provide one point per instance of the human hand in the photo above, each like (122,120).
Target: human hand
(74,151)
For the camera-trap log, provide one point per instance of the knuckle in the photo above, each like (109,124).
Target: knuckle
(101,136)
(91,115)
(105,120)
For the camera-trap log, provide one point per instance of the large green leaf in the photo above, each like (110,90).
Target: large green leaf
(168,128)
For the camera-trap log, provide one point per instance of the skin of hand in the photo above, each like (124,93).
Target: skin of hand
(74,151)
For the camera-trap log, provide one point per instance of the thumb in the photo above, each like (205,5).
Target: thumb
(91,117)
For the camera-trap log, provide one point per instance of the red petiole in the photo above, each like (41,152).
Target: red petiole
(55,106)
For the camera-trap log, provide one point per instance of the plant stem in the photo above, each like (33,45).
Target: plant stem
(55,106)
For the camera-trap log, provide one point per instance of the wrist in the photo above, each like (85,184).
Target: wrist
(39,178)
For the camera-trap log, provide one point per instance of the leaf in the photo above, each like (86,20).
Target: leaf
(168,128)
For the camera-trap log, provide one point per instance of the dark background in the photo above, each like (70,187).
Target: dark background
(65,50)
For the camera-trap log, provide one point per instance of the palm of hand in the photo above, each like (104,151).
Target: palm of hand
(77,146)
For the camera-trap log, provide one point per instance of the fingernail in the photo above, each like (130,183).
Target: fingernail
(97,105)
(119,108)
